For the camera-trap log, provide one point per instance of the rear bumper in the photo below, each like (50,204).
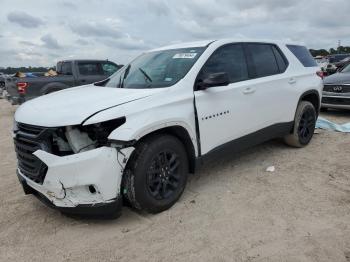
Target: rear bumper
(15,100)
(86,183)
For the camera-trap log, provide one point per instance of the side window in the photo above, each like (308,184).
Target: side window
(90,68)
(263,59)
(303,55)
(281,60)
(230,59)
(109,68)
(64,68)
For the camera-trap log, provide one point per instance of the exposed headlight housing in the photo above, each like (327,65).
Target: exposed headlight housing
(99,132)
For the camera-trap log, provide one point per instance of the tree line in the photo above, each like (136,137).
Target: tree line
(331,51)
(13,70)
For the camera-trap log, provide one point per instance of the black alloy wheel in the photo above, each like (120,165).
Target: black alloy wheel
(306,126)
(162,175)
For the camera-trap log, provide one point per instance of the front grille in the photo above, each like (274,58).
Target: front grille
(29,139)
(28,129)
(337,88)
(336,101)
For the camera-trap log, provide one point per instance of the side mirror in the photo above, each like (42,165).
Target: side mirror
(215,79)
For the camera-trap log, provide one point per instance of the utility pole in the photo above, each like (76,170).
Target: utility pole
(339,44)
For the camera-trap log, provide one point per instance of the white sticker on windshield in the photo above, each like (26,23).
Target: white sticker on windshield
(185,55)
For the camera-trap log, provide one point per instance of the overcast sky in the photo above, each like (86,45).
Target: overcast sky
(43,31)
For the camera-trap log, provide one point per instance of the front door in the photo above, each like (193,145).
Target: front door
(225,112)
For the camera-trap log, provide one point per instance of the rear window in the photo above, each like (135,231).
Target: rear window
(303,55)
(90,68)
(64,68)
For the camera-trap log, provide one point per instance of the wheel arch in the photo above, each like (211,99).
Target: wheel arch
(183,135)
(313,97)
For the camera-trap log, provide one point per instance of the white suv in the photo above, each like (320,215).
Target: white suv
(136,136)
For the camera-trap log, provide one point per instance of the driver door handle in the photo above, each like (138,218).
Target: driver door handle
(248,90)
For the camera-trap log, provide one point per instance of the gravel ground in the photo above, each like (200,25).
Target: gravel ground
(232,210)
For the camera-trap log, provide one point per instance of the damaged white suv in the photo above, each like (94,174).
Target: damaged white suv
(136,136)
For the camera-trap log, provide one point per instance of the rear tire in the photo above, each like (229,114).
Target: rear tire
(156,174)
(304,125)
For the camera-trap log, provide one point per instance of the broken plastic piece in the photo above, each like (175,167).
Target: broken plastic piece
(270,169)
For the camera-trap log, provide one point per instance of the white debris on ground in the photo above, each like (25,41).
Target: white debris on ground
(270,169)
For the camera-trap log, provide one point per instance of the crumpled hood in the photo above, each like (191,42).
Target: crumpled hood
(337,79)
(72,106)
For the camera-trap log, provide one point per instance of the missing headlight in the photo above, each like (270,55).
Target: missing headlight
(99,132)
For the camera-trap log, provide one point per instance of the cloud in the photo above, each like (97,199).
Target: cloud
(50,42)
(25,20)
(82,42)
(96,29)
(158,7)
(125,43)
(68,5)
(27,43)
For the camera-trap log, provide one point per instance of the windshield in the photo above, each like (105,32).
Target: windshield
(156,69)
(337,58)
(346,69)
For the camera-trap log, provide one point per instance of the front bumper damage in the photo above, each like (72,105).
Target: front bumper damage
(83,183)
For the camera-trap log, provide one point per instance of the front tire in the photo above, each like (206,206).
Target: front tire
(304,125)
(156,175)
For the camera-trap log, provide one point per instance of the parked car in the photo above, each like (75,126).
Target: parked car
(336,90)
(70,73)
(2,84)
(342,62)
(334,61)
(136,136)
(322,62)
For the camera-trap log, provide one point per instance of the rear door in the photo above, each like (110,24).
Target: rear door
(90,72)
(272,85)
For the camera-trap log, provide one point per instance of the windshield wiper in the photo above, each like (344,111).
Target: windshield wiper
(145,74)
(121,85)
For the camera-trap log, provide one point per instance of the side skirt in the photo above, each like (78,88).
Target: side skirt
(245,142)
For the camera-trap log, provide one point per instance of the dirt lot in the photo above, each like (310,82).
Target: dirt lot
(232,210)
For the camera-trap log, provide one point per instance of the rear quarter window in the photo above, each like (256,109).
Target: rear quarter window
(303,55)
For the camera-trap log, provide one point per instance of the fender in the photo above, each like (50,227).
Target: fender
(54,86)
(128,134)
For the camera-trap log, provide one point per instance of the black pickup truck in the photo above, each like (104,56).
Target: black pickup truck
(70,73)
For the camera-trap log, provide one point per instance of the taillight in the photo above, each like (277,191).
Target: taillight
(22,87)
(320,74)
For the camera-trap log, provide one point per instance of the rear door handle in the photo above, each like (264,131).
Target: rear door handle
(292,81)
(248,91)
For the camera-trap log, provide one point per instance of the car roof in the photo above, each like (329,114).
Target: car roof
(204,43)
